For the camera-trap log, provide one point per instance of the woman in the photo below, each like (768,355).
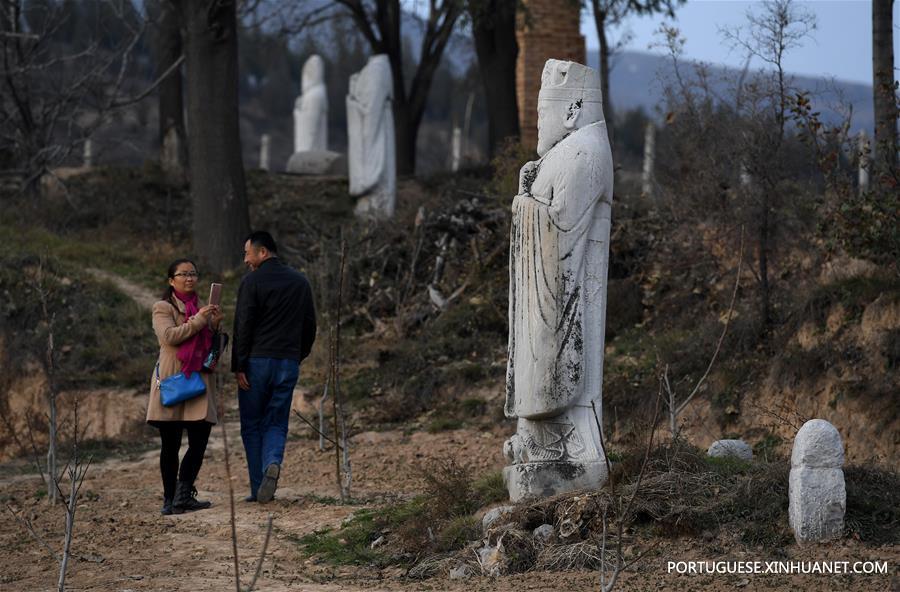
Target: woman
(184,331)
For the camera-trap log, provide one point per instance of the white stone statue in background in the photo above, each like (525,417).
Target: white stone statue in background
(371,150)
(311,155)
(558,261)
(311,108)
(816,491)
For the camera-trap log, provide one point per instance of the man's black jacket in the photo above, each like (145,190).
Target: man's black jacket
(275,315)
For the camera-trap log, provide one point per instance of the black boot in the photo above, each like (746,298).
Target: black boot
(186,499)
(167,506)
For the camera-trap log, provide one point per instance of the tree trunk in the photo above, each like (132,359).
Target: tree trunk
(221,219)
(173,151)
(600,24)
(52,491)
(405,132)
(494,32)
(883,85)
(763,255)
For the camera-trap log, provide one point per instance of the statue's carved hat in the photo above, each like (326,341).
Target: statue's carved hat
(570,81)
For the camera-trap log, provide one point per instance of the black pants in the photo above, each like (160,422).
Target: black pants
(170,433)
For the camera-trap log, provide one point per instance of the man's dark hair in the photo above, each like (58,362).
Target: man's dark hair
(261,238)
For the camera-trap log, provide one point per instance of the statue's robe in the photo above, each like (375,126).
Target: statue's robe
(311,120)
(371,152)
(559,254)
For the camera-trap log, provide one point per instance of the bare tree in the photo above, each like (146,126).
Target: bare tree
(221,219)
(884,87)
(494,33)
(622,504)
(234,539)
(779,27)
(63,81)
(341,450)
(609,13)
(58,90)
(76,470)
(48,319)
(674,407)
(168,54)
(379,22)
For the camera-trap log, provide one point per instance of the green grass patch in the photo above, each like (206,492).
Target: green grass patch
(442,519)
(490,488)
(443,424)
(101,337)
(349,545)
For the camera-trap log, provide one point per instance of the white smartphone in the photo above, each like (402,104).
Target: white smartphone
(215,294)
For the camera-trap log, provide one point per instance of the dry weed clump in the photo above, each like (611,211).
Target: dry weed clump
(873,505)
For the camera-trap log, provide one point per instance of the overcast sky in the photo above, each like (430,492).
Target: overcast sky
(840,47)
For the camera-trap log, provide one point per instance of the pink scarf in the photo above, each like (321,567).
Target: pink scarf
(192,352)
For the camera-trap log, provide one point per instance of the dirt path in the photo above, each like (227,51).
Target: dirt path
(138,293)
(118,518)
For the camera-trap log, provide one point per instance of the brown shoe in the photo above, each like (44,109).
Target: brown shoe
(269,484)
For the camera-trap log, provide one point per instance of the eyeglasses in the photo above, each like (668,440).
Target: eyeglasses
(187,274)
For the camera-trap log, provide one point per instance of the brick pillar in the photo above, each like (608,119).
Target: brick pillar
(553,31)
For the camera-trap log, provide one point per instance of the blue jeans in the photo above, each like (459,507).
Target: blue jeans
(265,410)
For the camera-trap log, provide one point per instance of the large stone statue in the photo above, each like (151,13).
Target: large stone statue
(311,155)
(370,136)
(558,260)
(311,108)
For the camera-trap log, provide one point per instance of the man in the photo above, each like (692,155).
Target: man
(274,330)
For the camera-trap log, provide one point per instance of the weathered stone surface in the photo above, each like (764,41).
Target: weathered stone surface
(559,253)
(816,489)
(264,150)
(492,560)
(492,516)
(317,162)
(311,108)
(371,154)
(730,449)
(818,445)
(543,534)
(460,572)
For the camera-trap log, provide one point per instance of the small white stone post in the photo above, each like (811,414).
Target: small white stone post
(264,152)
(863,151)
(88,154)
(455,148)
(816,492)
(649,154)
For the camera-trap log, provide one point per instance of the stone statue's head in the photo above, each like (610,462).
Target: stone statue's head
(313,72)
(570,99)
(373,80)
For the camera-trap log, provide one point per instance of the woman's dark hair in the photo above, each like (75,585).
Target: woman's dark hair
(170,274)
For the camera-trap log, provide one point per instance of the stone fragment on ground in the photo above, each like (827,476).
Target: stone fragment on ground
(543,534)
(460,572)
(492,560)
(492,517)
(730,449)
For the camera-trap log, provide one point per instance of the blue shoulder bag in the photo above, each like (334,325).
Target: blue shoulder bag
(178,388)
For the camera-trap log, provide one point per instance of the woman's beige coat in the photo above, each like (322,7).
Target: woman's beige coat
(172,330)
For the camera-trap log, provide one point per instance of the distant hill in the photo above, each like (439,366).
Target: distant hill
(636,82)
